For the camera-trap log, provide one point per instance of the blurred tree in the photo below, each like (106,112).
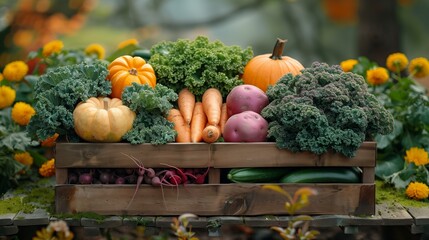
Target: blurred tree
(378,29)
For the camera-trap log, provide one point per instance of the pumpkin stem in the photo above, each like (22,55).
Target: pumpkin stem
(278,49)
(106,103)
(133,71)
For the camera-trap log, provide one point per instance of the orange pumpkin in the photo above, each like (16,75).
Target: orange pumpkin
(266,69)
(125,70)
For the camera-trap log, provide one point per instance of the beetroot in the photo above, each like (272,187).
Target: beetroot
(247,126)
(245,98)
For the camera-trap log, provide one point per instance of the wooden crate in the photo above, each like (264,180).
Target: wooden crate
(214,198)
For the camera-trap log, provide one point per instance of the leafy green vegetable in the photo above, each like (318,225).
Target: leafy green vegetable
(150,105)
(58,91)
(324,108)
(199,65)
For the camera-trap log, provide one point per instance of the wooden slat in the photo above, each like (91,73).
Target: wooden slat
(202,155)
(394,214)
(111,155)
(38,217)
(7,218)
(420,214)
(61,175)
(232,155)
(207,199)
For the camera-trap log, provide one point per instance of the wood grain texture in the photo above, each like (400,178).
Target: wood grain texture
(207,199)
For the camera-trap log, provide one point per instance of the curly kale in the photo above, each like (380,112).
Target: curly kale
(324,108)
(150,105)
(58,91)
(199,65)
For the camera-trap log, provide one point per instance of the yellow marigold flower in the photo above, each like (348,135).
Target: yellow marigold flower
(348,65)
(419,67)
(48,168)
(396,62)
(52,47)
(24,158)
(417,191)
(15,71)
(131,41)
(7,96)
(1,77)
(416,155)
(377,76)
(96,49)
(22,113)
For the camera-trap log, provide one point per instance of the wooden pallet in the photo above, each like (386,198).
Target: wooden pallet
(215,198)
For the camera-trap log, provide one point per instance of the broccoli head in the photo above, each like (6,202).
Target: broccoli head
(324,109)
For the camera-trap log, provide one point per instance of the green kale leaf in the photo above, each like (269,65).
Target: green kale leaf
(151,105)
(199,65)
(324,109)
(58,92)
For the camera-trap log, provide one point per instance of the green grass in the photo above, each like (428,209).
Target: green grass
(386,193)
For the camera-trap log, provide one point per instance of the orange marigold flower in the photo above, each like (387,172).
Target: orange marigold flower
(50,141)
(131,41)
(15,71)
(396,62)
(419,67)
(22,113)
(377,76)
(7,96)
(416,155)
(348,65)
(1,77)
(52,47)
(96,49)
(417,191)
(48,168)
(24,158)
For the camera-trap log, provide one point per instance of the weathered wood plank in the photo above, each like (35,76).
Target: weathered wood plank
(7,218)
(394,214)
(38,217)
(109,222)
(201,155)
(232,155)
(111,155)
(61,175)
(420,214)
(207,199)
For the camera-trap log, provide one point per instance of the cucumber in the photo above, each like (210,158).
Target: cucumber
(143,53)
(257,175)
(323,175)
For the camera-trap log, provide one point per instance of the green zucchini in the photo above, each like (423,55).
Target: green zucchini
(143,53)
(257,175)
(323,175)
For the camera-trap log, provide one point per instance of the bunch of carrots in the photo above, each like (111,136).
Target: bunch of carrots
(198,121)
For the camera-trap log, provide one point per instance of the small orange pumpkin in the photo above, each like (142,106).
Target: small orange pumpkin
(125,70)
(102,119)
(266,69)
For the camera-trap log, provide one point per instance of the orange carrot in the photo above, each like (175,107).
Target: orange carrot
(198,123)
(211,134)
(223,117)
(182,128)
(186,103)
(212,104)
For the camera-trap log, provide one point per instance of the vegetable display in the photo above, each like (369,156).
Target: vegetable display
(266,69)
(199,64)
(102,119)
(324,108)
(125,70)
